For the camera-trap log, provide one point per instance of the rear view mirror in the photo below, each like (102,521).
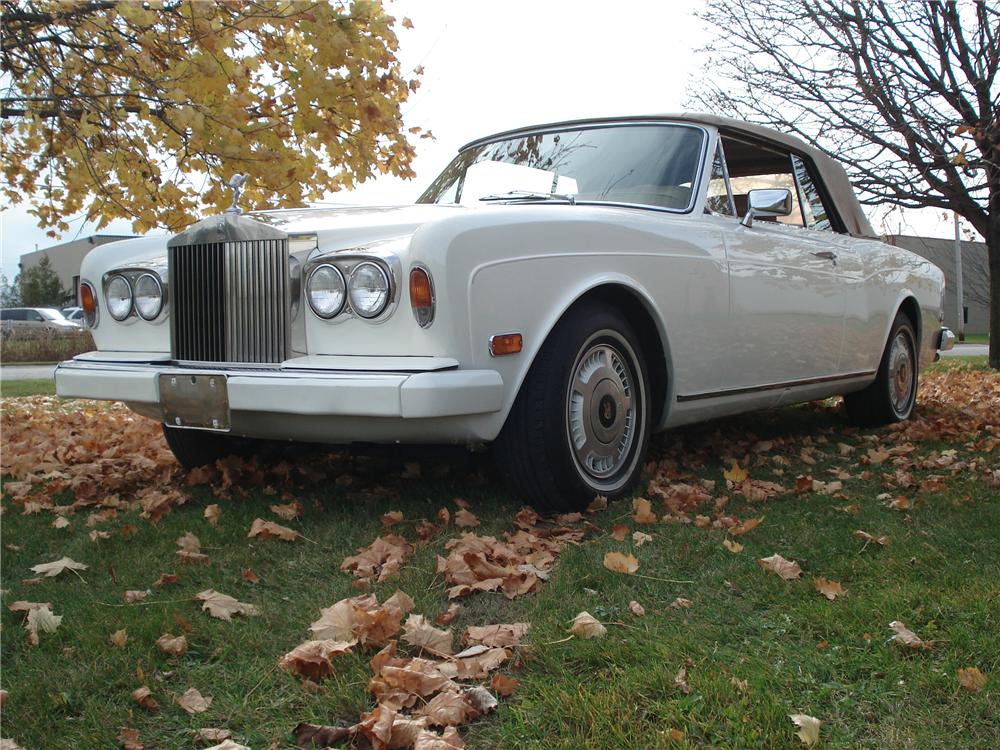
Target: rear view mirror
(767,202)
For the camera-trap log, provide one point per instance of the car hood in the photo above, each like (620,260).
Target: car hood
(355,226)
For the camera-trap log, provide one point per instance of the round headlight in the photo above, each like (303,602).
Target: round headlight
(369,290)
(148,296)
(326,291)
(119,298)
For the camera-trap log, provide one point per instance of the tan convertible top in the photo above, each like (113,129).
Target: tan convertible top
(830,171)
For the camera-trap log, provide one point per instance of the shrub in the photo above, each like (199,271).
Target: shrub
(43,346)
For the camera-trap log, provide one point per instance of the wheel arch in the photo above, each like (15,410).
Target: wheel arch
(639,309)
(911,309)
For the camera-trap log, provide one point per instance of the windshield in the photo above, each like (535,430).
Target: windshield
(50,314)
(652,165)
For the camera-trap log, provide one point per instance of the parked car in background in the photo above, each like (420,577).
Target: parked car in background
(36,319)
(561,291)
(74,314)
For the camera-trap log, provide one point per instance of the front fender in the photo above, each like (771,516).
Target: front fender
(534,316)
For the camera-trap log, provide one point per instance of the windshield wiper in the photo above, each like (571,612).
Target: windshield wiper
(529,195)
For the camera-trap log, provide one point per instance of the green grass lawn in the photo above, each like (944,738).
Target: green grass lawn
(39,387)
(977,338)
(756,648)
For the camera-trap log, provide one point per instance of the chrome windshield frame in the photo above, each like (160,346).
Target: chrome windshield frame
(599,125)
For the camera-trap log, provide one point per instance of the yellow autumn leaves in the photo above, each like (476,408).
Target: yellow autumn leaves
(122,110)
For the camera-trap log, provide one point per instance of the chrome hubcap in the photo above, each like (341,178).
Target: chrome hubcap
(601,410)
(901,371)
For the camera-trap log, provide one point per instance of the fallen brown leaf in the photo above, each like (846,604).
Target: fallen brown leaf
(585,625)
(55,568)
(830,589)
(143,696)
(868,538)
(194,702)
(418,632)
(502,635)
(642,511)
(906,637)
(808,728)
(787,569)
(289,511)
(621,563)
(223,606)
(271,530)
(175,646)
(971,678)
(313,659)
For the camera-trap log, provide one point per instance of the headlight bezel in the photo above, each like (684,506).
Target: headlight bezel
(131,275)
(381,308)
(160,296)
(382,255)
(115,279)
(343,285)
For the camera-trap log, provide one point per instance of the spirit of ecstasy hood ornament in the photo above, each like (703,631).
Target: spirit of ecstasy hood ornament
(236,184)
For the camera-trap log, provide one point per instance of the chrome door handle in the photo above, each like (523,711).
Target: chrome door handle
(827,255)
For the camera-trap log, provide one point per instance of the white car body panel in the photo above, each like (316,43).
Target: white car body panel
(745,317)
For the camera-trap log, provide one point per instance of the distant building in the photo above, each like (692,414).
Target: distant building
(975,277)
(67,257)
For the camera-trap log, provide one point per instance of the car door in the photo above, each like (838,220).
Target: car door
(787,296)
(14,320)
(34,320)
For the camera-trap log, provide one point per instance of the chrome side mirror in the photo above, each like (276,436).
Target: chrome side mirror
(767,202)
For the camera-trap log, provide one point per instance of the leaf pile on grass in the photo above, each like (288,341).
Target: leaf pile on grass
(962,407)
(424,686)
(421,697)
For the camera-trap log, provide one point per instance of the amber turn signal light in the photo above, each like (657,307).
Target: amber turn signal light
(422,296)
(88,301)
(505,343)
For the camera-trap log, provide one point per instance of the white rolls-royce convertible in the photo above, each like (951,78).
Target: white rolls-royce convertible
(560,291)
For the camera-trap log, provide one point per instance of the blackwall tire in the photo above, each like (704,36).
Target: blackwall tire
(891,397)
(579,426)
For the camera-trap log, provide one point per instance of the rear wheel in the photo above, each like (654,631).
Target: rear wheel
(892,396)
(580,423)
(193,448)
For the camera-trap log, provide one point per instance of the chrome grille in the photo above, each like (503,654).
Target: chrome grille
(229,301)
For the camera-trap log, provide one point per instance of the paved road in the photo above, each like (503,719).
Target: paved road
(26,372)
(968,350)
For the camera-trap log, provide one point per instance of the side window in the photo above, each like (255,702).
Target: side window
(816,215)
(720,197)
(32,315)
(754,165)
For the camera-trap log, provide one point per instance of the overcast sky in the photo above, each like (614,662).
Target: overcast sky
(492,65)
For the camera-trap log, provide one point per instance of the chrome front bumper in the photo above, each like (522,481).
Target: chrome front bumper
(302,392)
(945,340)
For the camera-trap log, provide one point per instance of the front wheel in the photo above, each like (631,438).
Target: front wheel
(890,398)
(580,423)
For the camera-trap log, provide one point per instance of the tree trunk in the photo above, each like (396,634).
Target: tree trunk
(993,248)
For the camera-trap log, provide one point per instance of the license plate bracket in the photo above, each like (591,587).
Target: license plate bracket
(195,400)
